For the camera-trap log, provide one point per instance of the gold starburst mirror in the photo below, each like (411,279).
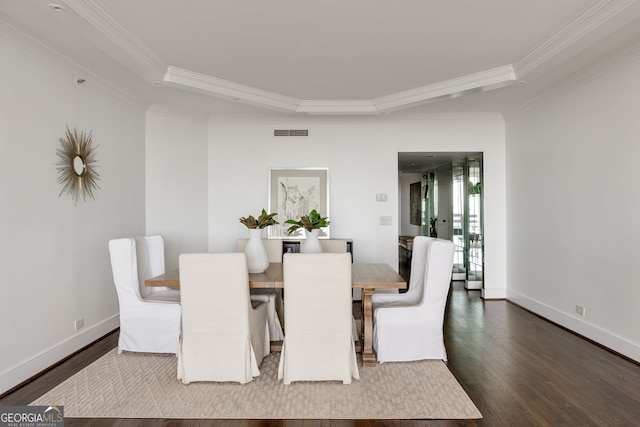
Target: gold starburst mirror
(76,168)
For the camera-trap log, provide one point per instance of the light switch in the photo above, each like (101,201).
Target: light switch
(385,220)
(381,197)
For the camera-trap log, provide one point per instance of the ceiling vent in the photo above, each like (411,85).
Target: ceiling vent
(291,132)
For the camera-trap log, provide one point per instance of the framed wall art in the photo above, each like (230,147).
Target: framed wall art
(294,193)
(415,203)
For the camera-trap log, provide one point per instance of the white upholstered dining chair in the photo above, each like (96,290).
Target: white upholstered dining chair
(317,344)
(273,297)
(224,335)
(145,325)
(150,255)
(413,329)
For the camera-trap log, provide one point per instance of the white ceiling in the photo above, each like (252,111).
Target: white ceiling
(330,56)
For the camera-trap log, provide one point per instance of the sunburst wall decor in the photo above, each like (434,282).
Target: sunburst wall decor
(76,168)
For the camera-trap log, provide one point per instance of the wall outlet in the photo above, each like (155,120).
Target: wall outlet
(580,310)
(79,324)
(381,197)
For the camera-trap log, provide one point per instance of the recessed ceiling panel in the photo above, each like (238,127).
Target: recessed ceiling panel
(331,49)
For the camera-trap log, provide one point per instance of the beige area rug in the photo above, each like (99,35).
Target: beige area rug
(144,385)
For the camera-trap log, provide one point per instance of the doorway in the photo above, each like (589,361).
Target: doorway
(451,208)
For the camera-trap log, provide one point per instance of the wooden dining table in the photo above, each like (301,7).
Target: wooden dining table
(367,277)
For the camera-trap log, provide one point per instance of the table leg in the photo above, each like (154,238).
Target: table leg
(368,356)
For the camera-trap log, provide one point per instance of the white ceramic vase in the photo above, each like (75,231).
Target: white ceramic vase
(257,258)
(312,244)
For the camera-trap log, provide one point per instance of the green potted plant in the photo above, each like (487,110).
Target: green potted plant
(312,224)
(313,221)
(257,258)
(264,220)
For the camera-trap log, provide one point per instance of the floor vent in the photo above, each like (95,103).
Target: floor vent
(291,132)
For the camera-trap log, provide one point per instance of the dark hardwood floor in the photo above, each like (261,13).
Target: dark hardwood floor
(518,369)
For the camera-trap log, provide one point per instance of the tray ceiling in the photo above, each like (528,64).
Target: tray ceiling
(330,56)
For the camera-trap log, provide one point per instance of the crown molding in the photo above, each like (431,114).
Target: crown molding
(225,89)
(337,107)
(10,31)
(96,15)
(484,80)
(574,30)
(209,85)
(139,57)
(594,71)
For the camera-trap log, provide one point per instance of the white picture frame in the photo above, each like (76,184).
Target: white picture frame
(294,192)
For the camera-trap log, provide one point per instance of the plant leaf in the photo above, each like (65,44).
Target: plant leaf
(264,220)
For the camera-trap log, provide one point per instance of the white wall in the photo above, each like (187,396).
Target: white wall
(361,154)
(176,177)
(406,228)
(54,261)
(445,203)
(573,205)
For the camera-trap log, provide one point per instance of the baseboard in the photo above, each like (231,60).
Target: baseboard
(494,293)
(592,332)
(21,372)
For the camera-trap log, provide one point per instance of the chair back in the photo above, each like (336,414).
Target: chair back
(418,269)
(124,266)
(216,338)
(272,246)
(215,293)
(150,259)
(414,294)
(437,278)
(333,245)
(318,308)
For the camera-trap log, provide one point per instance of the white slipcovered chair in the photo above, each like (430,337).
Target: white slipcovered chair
(413,330)
(145,325)
(150,254)
(317,344)
(273,297)
(224,336)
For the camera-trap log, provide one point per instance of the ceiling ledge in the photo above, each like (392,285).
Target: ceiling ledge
(576,29)
(337,107)
(15,33)
(485,80)
(131,51)
(225,89)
